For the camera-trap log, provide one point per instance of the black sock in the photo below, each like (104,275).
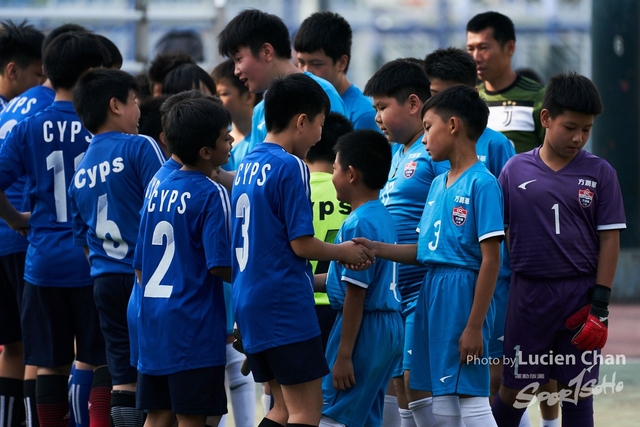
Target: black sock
(123,409)
(300,425)
(52,400)
(266,422)
(31,412)
(11,407)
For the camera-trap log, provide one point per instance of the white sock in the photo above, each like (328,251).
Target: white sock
(242,390)
(476,412)
(223,421)
(328,422)
(422,411)
(548,423)
(446,411)
(266,403)
(525,421)
(406,418)
(391,414)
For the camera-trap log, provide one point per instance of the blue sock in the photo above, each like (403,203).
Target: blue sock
(578,415)
(70,392)
(505,415)
(79,396)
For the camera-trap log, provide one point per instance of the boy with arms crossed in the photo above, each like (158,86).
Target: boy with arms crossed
(459,241)
(564,213)
(272,241)
(365,344)
(181,258)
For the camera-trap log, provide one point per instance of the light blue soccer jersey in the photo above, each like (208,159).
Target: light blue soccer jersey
(494,149)
(374,222)
(272,286)
(404,195)
(19,108)
(258,127)
(359,109)
(238,151)
(184,232)
(47,148)
(107,193)
(456,219)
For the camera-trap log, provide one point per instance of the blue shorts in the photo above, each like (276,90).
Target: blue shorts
(112,293)
(377,352)
(133,311)
(500,296)
(194,392)
(442,312)
(54,320)
(11,288)
(290,364)
(409,314)
(544,349)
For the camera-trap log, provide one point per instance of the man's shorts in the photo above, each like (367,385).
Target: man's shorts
(409,314)
(500,296)
(11,289)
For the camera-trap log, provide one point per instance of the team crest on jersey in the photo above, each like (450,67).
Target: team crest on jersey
(459,215)
(586,197)
(410,169)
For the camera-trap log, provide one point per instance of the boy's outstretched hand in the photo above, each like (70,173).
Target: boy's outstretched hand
(470,345)
(357,255)
(368,248)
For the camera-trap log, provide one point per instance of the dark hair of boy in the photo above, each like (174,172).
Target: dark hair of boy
(187,77)
(174,99)
(226,70)
(64,28)
(327,32)
(453,65)
(398,79)
(335,125)
(163,64)
(150,122)
(571,92)
(463,102)
(253,28)
(94,91)
(192,124)
(114,53)
(367,151)
(292,95)
(71,54)
(503,29)
(142,80)
(530,73)
(19,43)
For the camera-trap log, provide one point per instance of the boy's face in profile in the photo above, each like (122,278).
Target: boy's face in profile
(131,113)
(229,95)
(311,132)
(438,85)
(340,179)
(319,64)
(251,70)
(221,152)
(437,138)
(567,133)
(492,60)
(28,77)
(391,118)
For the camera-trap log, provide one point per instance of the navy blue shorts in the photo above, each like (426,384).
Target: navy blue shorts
(194,392)
(11,288)
(111,293)
(56,319)
(290,364)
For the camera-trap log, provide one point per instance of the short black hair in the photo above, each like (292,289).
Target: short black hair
(150,122)
(573,92)
(502,26)
(115,60)
(187,77)
(182,96)
(144,88)
(398,79)
(253,28)
(192,124)
(530,73)
(292,95)
(19,43)
(335,125)
(451,64)
(163,64)
(463,102)
(64,28)
(369,152)
(71,54)
(326,31)
(185,41)
(95,89)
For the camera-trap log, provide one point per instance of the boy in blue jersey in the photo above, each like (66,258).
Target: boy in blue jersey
(399,89)
(181,258)
(273,240)
(106,196)
(366,343)
(258,43)
(58,289)
(459,241)
(323,48)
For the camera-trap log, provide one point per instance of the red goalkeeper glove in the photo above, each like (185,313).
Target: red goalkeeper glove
(593,320)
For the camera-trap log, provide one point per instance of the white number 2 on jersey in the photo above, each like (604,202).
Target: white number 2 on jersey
(243,210)
(154,289)
(113,244)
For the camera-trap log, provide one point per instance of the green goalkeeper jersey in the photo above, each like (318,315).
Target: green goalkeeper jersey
(515,111)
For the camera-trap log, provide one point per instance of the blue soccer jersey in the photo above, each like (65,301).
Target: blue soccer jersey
(374,222)
(184,232)
(26,105)
(404,195)
(359,109)
(272,286)
(258,127)
(456,219)
(47,148)
(107,193)
(494,149)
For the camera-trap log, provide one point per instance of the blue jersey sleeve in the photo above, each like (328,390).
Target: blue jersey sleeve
(295,196)
(500,151)
(149,160)
(216,230)
(11,159)
(488,206)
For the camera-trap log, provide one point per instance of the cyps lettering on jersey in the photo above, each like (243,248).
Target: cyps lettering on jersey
(102,169)
(63,129)
(167,200)
(247,171)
